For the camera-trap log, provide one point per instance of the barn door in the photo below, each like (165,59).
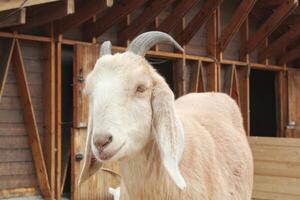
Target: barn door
(96,187)
(293,127)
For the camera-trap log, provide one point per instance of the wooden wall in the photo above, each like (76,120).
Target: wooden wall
(16,162)
(276,168)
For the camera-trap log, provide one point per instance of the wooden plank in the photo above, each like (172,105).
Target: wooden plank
(144,19)
(235,22)
(8,5)
(268,3)
(5,63)
(8,142)
(269,26)
(49,112)
(293,103)
(278,169)
(176,16)
(200,85)
(198,20)
(276,154)
(42,14)
(279,45)
(235,93)
(12,129)
(286,186)
(30,121)
(212,70)
(18,181)
(194,76)
(226,78)
(110,18)
(80,68)
(58,116)
(16,116)
(280,142)
(243,75)
(16,168)
(178,77)
(16,155)
(12,17)
(84,12)
(18,192)
(263,195)
(290,56)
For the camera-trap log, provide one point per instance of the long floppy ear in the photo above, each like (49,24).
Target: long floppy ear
(91,165)
(168,129)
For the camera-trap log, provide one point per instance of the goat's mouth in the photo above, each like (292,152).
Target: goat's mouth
(107,155)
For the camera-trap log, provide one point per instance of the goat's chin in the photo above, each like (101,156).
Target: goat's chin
(111,154)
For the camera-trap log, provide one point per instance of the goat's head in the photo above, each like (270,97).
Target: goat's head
(130,104)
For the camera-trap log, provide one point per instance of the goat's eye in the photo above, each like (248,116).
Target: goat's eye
(141,89)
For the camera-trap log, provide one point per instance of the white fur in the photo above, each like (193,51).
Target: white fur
(194,148)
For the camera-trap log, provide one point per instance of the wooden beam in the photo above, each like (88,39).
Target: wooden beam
(30,121)
(268,3)
(213,69)
(176,16)
(281,43)
(85,11)
(269,26)
(110,18)
(42,14)
(8,5)
(292,20)
(236,21)
(12,17)
(6,54)
(199,19)
(49,111)
(144,19)
(290,56)
(18,192)
(58,63)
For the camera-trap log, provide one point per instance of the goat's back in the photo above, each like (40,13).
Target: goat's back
(217,161)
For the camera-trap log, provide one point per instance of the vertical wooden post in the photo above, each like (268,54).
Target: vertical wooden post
(213,28)
(245,78)
(49,112)
(58,117)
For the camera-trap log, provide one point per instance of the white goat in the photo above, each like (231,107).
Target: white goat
(191,148)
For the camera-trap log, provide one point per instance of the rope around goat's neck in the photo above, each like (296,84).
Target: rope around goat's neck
(111,172)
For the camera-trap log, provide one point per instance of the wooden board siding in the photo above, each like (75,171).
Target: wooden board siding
(293,129)
(16,163)
(276,168)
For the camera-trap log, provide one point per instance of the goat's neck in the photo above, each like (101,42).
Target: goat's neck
(143,172)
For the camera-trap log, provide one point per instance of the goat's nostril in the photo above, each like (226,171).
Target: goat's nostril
(102,141)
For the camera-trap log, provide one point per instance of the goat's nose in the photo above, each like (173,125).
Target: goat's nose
(101,141)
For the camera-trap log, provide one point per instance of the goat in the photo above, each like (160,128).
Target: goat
(191,148)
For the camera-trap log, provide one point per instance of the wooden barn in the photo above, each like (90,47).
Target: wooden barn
(249,49)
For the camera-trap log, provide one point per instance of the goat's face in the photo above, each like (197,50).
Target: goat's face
(119,90)
(130,103)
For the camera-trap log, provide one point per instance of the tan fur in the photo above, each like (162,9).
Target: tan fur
(217,161)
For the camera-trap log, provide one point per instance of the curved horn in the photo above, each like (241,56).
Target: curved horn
(105,48)
(142,43)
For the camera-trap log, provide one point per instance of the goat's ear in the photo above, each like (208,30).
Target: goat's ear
(167,129)
(91,165)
